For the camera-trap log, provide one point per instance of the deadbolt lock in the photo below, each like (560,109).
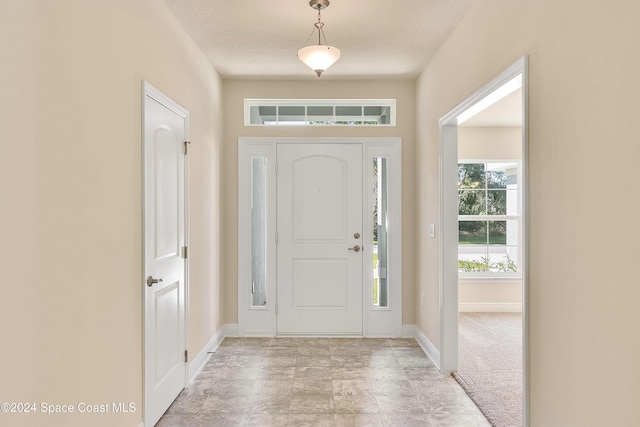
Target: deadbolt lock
(356,235)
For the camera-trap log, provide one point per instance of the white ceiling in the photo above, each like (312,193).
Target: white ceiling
(506,112)
(260,39)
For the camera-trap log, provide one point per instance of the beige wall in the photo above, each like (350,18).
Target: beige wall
(235,91)
(489,291)
(70,197)
(584,158)
(494,143)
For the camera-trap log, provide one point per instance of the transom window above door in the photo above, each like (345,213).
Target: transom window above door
(319,112)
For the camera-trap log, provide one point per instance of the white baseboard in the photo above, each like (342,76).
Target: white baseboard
(382,335)
(466,307)
(412,331)
(409,331)
(230,329)
(196,365)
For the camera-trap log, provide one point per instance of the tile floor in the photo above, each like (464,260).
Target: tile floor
(321,382)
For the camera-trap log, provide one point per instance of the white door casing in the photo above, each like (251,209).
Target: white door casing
(165,132)
(261,320)
(319,214)
(448,124)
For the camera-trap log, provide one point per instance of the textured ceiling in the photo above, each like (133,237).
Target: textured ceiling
(260,39)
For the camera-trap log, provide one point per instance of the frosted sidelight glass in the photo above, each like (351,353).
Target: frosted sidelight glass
(258,285)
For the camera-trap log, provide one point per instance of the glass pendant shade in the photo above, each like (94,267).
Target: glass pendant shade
(319,57)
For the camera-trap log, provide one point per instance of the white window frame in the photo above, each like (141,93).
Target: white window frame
(518,218)
(251,102)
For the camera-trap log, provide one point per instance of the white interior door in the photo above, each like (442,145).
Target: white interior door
(164,226)
(319,211)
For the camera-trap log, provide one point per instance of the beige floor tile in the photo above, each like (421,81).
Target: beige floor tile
(347,361)
(355,405)
(304,386)
(231,388)
(216,420)
(174,420)
(312,373)
(352,387)
(313,351)
(422,374)
(311,420)
(275,373)
(312,404)
(393,387)
(349,373)
(264,420)
(198,388)
(448,405)
(358,420)
(381,360)
(409,420)
(376,373)
(313,361)
(269,404)
(279,361)
(443,386)
(271,387)
(321,382)
(395,405)
(221,404)
(187,405)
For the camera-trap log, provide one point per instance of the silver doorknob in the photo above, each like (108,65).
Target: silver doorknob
(356,248)
(151,281)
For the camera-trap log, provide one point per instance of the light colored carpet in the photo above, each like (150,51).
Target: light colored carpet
(490,364)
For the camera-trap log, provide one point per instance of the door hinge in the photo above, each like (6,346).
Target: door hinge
(186,356)
(276,168)
(186,145)
(276,238)
(253,288)
(276,308)
(184,252)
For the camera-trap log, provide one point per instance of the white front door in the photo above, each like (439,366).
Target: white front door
(319,226)
(164,228)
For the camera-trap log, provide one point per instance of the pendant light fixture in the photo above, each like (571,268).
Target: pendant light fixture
(319,57)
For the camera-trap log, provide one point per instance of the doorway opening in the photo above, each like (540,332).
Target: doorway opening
(483,263)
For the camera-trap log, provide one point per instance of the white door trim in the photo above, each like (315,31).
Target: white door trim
(449,225)
(151,92)
(260,321)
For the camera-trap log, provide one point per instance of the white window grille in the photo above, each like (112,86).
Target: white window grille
(320,112)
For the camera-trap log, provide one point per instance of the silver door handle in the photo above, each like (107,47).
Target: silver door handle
(151,281)
(356,248)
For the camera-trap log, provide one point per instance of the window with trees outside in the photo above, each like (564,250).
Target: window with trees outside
(489,219)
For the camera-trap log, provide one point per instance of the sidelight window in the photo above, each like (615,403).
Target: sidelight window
(258,232)
(380,233)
